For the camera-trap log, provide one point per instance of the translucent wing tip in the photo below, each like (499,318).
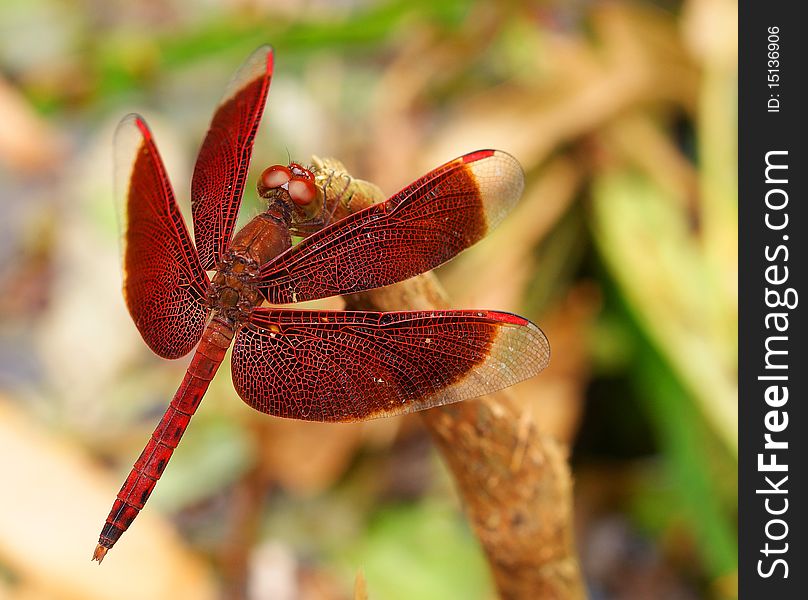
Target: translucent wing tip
(133,120)
(543,343)
(262,59)
(261,63)
(269,52)
(500,179)
(537,343)
(129,136)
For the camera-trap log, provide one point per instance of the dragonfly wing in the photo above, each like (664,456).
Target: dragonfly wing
(417,229)
(163,281)
(350,366)
(224,158)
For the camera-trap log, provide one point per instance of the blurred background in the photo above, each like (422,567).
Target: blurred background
(624,249)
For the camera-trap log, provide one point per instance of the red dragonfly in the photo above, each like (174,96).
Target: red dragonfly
(315,365)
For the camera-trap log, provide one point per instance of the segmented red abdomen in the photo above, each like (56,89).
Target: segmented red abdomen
(155,456)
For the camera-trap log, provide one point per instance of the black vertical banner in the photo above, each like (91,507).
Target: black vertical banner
(773,191)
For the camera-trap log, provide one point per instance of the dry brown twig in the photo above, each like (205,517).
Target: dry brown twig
(514,481)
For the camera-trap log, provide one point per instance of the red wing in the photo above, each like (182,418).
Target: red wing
(422,226)
(163,282)
(349,366)
(221,168)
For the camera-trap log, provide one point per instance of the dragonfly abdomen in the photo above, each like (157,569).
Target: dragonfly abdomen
(166,436)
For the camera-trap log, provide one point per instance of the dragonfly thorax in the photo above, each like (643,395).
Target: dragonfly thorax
(232,291)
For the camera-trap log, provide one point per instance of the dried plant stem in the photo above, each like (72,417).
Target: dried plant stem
(514,481)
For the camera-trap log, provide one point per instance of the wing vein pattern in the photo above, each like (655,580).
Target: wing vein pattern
(354,365)
(224,158)
(410,233)
(164,283)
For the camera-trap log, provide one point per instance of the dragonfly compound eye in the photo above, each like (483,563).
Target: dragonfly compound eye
(272,178)
(299,170)
(302,191)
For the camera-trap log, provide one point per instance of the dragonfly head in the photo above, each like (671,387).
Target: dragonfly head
(293,185)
